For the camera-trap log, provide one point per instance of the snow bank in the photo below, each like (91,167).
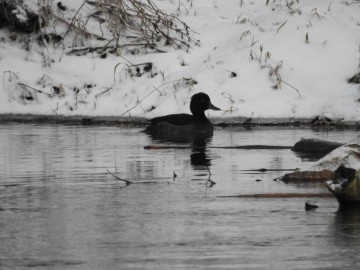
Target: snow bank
(270,60)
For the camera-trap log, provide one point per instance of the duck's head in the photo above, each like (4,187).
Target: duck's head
(200,102)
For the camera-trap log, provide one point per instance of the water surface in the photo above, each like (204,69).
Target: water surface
(60,209)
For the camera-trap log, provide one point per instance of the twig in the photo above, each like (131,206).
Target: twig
(114,82)
(144,18)
(288,84)
(71,24)
(118,178)
(212,183)
(10,73)
(277,31)
(208,170)
(154,90)
(104,48)
(25,86)
(329,7)
(283,195)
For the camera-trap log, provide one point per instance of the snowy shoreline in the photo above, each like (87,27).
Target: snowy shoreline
(142,122)
(280,60)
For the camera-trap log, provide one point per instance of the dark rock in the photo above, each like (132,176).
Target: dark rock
(345,186)
(315,146)
(310,205)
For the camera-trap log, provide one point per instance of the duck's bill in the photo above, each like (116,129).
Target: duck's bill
(212,107)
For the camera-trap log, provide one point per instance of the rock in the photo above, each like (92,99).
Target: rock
(347,155)
(315,146)
(346,186)
(341,169)
(311,205)
(326,168)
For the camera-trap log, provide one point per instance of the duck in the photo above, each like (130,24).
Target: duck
(185,125)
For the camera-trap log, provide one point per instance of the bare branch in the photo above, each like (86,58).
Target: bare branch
(118,178)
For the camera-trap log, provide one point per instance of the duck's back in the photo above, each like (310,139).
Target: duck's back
(174,119)
(178,125)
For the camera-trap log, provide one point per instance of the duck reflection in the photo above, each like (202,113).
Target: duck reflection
(347,226)
(199,153)
(199,158)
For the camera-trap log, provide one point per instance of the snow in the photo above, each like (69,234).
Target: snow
(346,155)
(336,186)
(313,75)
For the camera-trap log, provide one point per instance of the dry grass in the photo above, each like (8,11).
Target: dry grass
(144,24)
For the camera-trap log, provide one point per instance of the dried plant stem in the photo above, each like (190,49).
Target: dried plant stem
(25,86)
(71,24)
(277,31)
(293,87)
(152,91)
(146,22)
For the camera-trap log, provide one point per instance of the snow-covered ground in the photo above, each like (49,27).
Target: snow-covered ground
(289,61)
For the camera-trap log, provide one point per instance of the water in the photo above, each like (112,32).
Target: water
(60,209)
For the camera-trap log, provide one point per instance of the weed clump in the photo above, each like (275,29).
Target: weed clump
(113,25)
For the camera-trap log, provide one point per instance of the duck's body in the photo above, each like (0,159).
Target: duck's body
(185,125)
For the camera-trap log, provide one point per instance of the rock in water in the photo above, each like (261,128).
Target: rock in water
(311,205)
(346,186)
(315,146)
(342,167)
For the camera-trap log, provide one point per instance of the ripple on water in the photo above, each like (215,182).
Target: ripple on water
(60,208)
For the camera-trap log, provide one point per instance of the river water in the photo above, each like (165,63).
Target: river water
(61,209)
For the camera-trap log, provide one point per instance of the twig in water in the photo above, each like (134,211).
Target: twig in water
(208,170)
(283,195)
(212,183)
(127,182)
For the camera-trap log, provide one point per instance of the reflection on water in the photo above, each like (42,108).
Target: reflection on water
(198,143)
(59,208)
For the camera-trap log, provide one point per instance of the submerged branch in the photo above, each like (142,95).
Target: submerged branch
(245,147)
(269,170)
(283,195)
(118,178)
